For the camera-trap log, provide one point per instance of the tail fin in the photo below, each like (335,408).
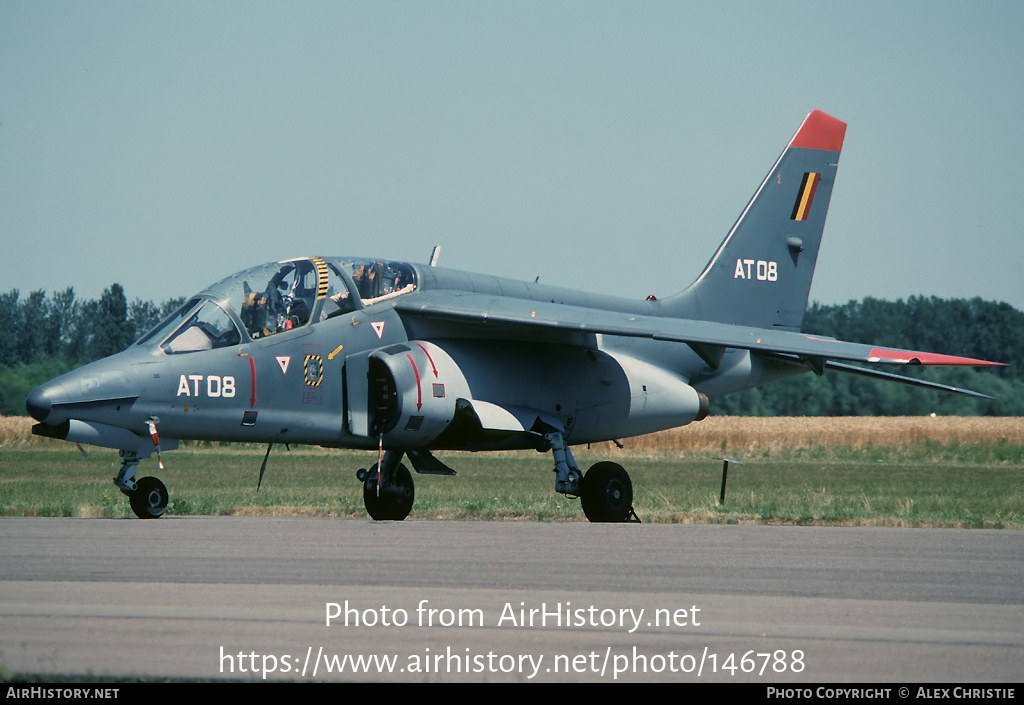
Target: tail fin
(761,273)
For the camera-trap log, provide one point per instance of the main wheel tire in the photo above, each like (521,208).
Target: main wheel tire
(396,498)
(149,500)
(607,493)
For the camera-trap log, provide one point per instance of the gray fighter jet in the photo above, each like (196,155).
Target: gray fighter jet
(405,359)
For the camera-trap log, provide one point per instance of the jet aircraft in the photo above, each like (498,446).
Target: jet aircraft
(405,359)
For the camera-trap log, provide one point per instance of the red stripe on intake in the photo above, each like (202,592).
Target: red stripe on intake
(432,365)
(252,371)
(419,390)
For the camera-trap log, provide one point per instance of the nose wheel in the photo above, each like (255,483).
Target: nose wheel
(149,499)
(393,499)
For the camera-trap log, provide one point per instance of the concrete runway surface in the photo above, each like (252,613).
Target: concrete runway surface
(248,598)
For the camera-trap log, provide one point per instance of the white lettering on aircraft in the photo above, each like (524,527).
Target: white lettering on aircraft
(759,269)
(215,386)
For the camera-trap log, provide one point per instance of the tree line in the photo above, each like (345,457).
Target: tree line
(974,328)
(46,336)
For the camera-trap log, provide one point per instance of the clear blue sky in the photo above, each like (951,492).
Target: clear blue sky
(606,146)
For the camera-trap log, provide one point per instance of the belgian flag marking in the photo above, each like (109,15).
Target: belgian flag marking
(805,196)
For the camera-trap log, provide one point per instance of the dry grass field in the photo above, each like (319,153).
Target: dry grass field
(16,432)
(756,436)
(749,436)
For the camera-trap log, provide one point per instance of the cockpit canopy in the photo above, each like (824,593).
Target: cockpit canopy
(278,297)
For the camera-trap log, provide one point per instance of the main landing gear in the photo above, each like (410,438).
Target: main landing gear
(605,492)
(147,496)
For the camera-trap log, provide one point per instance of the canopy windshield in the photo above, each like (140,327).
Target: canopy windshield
(278,297)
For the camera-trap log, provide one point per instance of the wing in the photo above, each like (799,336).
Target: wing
(497,316)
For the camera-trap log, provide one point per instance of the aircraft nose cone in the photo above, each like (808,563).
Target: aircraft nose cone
(38,403)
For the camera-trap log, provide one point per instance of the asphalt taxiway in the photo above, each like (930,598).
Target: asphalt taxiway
(351,599)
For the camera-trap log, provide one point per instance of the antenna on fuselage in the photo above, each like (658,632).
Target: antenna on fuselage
(263,467)
(434,255)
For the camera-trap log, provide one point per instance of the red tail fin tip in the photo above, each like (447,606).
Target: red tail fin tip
(820,131)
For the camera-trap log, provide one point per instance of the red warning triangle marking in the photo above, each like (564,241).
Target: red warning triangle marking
(378,328)
(283,361)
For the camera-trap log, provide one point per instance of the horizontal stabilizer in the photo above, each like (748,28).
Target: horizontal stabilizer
(878,374)
(887,376)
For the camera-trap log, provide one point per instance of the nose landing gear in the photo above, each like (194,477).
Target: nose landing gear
(148,496)
(391,496)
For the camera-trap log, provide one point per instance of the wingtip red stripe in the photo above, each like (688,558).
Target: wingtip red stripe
(911,357)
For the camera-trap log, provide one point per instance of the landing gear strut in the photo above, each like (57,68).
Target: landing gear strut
(394,497)
(605,492)
(148,496)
